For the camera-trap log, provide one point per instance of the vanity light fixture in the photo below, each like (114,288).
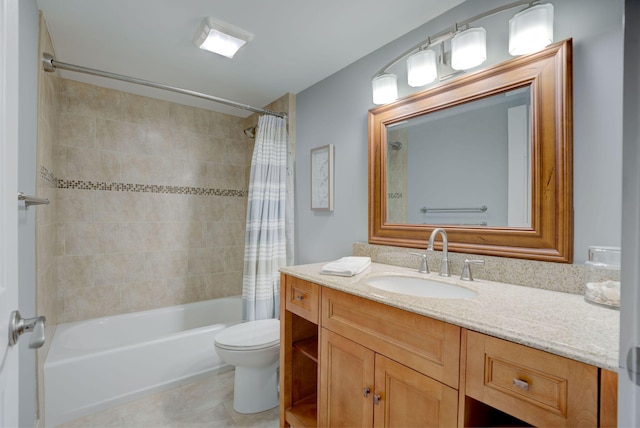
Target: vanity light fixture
(421,68)
(220,37)
(530,30)
(385,88)
(469,48)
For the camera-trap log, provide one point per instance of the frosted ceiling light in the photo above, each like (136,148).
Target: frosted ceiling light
(469,48)
(220,37)
(421,68)
(531,30)
(385,88)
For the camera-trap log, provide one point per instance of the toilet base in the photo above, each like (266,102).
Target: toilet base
(255,389)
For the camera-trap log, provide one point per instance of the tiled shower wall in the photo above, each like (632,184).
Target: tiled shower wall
(151,202)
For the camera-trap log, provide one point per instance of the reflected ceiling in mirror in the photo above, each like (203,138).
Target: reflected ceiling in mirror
(487,156)
(480,149)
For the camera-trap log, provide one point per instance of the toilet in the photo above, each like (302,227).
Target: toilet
(253,347)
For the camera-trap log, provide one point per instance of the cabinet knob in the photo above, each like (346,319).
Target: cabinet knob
(376,399)
(300,297)
(521,384)
(365,391)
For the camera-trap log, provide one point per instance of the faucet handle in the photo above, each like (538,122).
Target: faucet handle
(466,269)
(424,267)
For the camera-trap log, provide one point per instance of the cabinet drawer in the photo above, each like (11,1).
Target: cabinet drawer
(302,298)
(538,387)
(426,345)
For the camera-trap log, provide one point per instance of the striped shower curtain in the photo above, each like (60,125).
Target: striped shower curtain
(265,248)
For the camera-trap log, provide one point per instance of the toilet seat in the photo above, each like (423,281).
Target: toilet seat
(250,335)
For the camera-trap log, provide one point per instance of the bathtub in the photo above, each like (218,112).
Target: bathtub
(103,362)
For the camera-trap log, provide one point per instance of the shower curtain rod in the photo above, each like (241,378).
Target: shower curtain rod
(50,64)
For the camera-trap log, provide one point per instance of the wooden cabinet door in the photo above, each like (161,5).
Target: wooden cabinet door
(346,371)
(407,398)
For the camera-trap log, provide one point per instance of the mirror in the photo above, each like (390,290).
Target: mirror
(487,141)
(487,156)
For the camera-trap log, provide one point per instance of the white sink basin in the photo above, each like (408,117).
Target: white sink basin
(421,287)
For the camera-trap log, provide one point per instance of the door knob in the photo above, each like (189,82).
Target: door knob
(18,326)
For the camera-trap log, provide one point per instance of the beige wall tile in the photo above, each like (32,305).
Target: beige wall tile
(89,100)
(186,289)
(75,272)
(92,302)
(119,268)
(185,235)
(204,261)
(188,173)
(233,259)
(165,264)
(80,238)
(75,205)
(142,236)
(143,110)
(225,233)
(111,206)
(117,135)
(92,165)
(158,140)
(236,151)
(109,240)
(204,147)
(235,209)
(143,169)
(77,130)
(189,118)
(144,295)
(224,284)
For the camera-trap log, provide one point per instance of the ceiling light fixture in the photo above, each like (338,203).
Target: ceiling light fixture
(530,30)
(220,37)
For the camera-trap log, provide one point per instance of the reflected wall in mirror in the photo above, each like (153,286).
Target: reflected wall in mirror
(485,142)
(487,156)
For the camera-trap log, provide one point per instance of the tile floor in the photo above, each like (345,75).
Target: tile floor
(205,403)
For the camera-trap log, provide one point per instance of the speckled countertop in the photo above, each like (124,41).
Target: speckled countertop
(560,323)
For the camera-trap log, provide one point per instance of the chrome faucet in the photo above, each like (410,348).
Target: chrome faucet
(444,262)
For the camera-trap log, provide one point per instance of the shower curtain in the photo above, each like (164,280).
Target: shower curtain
(268,224)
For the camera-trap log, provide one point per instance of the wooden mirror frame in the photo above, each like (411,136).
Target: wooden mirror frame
(550,236)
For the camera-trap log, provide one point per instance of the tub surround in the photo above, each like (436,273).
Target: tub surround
(559,323)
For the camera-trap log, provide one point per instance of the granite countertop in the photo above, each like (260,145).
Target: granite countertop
(560,323)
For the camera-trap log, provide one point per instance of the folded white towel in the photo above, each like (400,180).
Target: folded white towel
(346,266)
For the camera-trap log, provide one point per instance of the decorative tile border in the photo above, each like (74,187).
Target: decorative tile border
(148,188)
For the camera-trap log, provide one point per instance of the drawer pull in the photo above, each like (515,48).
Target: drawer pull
(365,391)
(376,399)
(521,384)
(300,297)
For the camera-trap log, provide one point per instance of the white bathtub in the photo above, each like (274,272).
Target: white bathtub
(99,363)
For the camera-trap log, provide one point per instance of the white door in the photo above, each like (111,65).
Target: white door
(8,208)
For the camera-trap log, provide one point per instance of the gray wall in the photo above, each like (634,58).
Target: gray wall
(335,111)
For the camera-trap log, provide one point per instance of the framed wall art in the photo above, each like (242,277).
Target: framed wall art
(322,178)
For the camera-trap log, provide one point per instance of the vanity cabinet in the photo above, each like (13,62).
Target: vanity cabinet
(537,387)
(349,361)
(374,366)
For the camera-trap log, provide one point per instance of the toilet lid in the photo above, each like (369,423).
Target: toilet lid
(250,335)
